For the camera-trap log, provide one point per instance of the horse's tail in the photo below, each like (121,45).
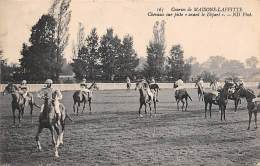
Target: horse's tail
(67,116)
(36,105)
(189,96)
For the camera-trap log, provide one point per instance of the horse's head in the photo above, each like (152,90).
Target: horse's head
(55,94)
(175,85)
(93,86)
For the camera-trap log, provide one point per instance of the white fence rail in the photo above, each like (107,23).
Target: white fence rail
(115,86)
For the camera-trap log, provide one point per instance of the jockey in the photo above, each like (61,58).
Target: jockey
(128,81)
(47,92)
(201,84)
(84,88)
(180,84)
(23,90)
(156,90)
(149,92)
(152,80)
(214,88)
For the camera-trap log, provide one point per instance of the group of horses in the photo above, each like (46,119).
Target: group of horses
(47,118)
(148,96)
(230,91)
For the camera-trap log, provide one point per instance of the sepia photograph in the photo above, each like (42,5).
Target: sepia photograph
(129,82)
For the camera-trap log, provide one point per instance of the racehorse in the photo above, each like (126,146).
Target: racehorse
(180,95)
(223,99)
(18,101)
(79,97)
(251,106)
(145,98)
(48,119)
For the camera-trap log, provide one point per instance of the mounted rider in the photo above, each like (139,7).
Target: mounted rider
(46,93)
(178,85)
(214,85)
(128,82)
(147,88)
(23,90)
(84,88)
(153,83)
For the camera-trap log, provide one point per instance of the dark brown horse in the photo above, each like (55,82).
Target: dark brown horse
(79,97)
(223,99)
(182,95)
(252,107)
(145,98)
(48,119)
(18,101)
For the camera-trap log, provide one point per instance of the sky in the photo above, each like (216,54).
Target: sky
(201,37)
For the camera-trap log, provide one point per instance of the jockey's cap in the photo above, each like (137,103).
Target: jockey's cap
(84,79)
(24,82)
(48,81)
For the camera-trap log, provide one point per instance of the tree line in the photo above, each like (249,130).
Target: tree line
(107,57)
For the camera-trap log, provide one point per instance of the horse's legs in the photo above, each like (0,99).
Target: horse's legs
(186,99)
(206,106)
(31,111)
(140,107)
(250,116)
(84,105)
(54,141)
(236,103)
(20,115)
(210,107)
(62,130)
(224,112)
(145,106)
(37,138)
(221,110)
(154,104)
(182,105)
(78,105)
(74,106)
(178,104)
(13,110)
(89,104)
(255,113)
(150,108)
(58,135)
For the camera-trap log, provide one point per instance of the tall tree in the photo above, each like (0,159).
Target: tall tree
(79,61)
(127,60)
(176,62)
(155,52)
(62,14)
(109,51)
(39,58)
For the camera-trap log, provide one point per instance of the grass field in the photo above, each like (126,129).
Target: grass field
(114,134)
